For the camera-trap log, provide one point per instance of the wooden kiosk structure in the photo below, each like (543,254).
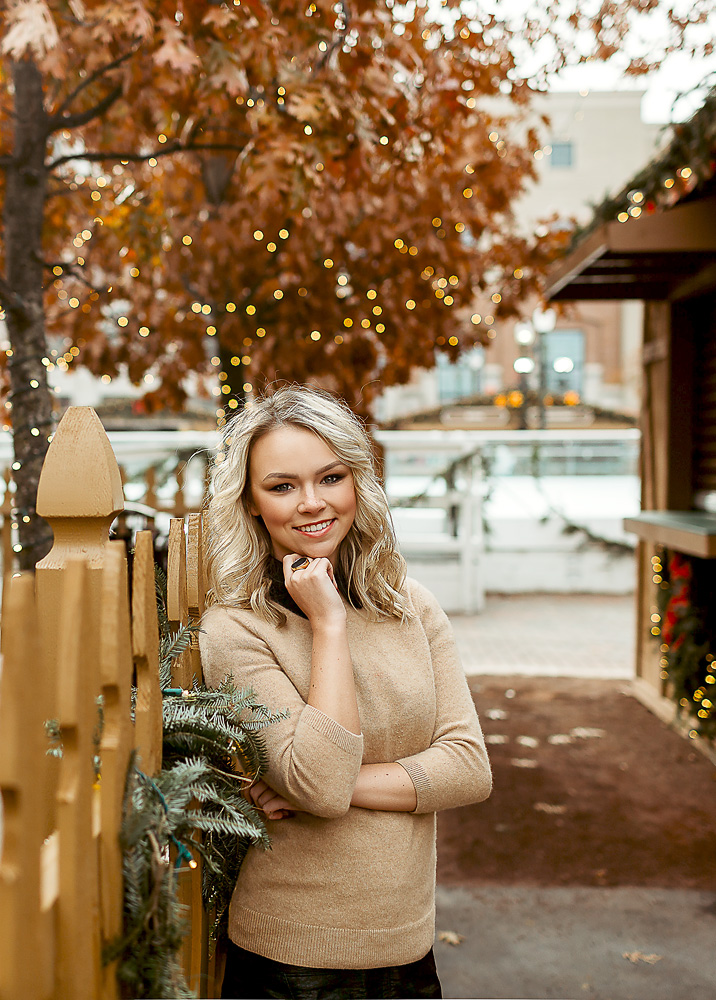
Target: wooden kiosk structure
(656,242)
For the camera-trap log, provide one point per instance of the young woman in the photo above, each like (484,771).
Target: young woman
(312,610)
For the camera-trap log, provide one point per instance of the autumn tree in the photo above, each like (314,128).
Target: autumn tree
(214,195)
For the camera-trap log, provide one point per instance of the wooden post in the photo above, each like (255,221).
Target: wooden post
(25,950)
(145,650)
(79,494)
(78,971)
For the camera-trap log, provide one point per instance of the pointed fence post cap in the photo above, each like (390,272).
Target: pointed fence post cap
(80,477)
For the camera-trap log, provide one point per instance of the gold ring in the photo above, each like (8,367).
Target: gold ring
(300,563)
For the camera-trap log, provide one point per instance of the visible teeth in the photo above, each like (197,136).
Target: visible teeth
(315,527)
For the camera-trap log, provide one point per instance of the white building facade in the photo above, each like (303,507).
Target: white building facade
(593,144)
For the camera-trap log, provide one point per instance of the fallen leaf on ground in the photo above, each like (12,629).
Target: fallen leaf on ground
(585,733)
(638,956)
(560,738)
(523,762)
(450,937)
(546,807)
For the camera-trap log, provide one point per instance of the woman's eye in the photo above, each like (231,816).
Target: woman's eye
(281,488)
(333,477)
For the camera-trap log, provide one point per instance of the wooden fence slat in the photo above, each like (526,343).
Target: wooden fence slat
(177,606)
(196,590)
(145,650)
(8,556)
(78,945)
(183,581)
(24,969)
(115,664)
(195,587)
(176,572)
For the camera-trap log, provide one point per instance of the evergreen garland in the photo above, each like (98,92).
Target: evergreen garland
(212,750)
(684,623)
(687,164)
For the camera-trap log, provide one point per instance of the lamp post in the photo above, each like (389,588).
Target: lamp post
(529,335)
(524,367)
(543,321)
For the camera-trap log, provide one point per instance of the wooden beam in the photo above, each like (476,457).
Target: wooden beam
(687,531)
(584,290)
(688,228)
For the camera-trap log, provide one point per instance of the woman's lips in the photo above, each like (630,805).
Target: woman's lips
(316,529)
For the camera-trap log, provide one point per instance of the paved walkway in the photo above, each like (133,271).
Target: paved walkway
(567,635)
(599,944)
(522,943)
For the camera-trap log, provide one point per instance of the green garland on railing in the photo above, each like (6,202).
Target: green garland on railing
(682,620)
(612,546)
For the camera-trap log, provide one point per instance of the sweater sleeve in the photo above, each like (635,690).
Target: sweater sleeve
(454,770)
(313,761)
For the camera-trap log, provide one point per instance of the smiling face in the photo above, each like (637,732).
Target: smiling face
(302,491)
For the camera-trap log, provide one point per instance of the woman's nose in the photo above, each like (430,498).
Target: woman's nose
(311,501)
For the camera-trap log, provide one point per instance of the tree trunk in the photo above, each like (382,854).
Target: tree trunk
(25,193)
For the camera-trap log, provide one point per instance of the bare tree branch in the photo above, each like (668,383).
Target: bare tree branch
(72,269)
(83,117)
(167,150)
(56,120)
(10,299)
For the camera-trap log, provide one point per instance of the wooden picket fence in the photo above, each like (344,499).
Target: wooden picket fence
(71,633)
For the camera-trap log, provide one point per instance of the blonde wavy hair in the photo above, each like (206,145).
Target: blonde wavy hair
(370,572)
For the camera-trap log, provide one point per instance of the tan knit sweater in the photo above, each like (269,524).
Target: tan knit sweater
(344,887)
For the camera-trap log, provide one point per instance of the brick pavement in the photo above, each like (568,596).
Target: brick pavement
(551,635)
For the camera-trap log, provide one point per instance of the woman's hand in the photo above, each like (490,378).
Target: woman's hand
(313,588)
(273,805)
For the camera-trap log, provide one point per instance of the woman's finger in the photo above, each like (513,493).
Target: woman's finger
(280,814)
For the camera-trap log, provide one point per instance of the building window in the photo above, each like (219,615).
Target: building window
(461,379)
(563,359)
(562,155)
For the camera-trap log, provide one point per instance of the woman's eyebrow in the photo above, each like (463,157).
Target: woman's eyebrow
(292,475)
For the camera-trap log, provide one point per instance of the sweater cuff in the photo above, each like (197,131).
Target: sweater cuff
(419,777)
(351,743)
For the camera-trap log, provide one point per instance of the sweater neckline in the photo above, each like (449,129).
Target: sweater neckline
(279,593)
